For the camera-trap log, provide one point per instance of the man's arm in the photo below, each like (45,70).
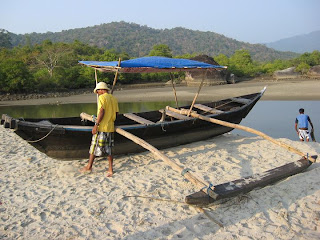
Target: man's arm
(98,121)
(296,125)
(310,122)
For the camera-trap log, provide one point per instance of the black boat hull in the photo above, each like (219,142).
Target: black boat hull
(69,138)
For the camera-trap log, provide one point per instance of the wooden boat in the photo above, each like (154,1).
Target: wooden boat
(69,138)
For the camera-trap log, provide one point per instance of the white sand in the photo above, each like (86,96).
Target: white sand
(43,198)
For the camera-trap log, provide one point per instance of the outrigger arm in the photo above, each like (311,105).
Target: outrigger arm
(243,185)
(247,129)
(202,184)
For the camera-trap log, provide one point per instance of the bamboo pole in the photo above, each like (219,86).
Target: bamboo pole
(247,129)
(206,187)
(116,76)
(174,91)
(196,96)
(96,78)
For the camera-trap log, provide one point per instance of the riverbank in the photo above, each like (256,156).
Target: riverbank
(298,89)
(43,198)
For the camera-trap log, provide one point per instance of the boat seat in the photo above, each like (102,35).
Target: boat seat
(137,118)
(175,115)
(241,100)
(207,109)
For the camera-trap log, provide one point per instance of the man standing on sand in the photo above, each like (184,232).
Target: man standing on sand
(102,132)
(302,123)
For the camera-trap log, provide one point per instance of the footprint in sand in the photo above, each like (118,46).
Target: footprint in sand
(67,170)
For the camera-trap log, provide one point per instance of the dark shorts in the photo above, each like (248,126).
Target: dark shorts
(101,144)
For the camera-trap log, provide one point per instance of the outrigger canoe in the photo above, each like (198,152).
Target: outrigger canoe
(69,138)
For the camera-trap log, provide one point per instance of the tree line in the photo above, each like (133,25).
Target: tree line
(52,66)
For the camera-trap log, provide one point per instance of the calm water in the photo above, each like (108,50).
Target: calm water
(275,118)
(72,110)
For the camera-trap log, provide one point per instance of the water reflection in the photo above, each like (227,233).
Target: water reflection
(275,118)
(74,110)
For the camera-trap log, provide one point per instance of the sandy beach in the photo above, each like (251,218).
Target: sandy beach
(44,198)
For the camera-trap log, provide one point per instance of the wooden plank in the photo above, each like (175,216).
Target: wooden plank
(207,109)
(137,118)
(244,185)
(175,115)
(241,100)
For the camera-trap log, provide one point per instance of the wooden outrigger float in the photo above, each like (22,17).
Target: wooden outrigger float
(67,137)
(244,185)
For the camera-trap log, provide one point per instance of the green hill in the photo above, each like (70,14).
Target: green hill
(137,41)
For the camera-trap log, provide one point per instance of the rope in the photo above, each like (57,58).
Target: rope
(162,126)
(184,171)
(209,187)
(156,199)
(210,217)
(34,141)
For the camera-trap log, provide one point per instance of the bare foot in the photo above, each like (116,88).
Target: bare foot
(109,174)
(85,170)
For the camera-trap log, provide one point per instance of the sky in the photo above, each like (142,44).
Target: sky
(253,21)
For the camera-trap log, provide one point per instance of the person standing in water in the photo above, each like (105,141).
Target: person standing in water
(301,126)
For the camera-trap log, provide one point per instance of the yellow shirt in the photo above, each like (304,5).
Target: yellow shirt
(110,105)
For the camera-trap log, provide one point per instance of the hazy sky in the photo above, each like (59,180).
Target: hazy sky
(253,21)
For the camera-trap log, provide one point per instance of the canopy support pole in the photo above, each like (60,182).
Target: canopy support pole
(196,96)
(174,90)
(116,76)
(96,78)
(247,129)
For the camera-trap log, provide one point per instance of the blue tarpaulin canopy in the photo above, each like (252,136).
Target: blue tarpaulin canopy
(151,64)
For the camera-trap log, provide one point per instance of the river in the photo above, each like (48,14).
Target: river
(274,118)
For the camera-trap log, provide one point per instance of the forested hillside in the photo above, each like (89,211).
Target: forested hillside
(52,65)
(137,41)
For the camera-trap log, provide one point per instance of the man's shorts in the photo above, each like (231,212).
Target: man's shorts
(304,134)
(101,144)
